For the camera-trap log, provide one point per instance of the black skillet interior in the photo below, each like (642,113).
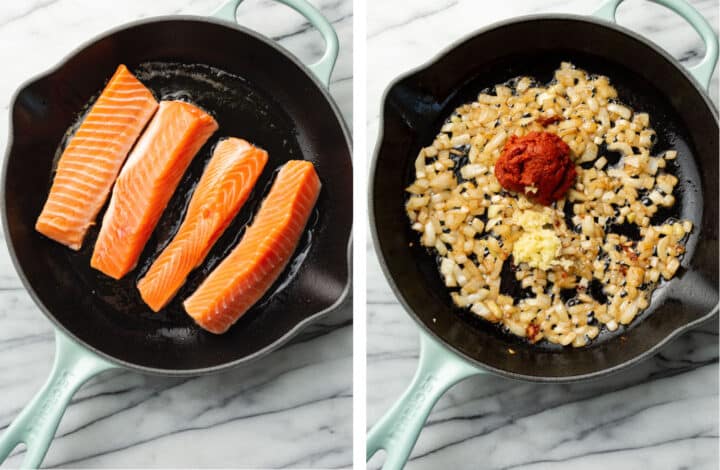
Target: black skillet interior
(255,92)
(414,110)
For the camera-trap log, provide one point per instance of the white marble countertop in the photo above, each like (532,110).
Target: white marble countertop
(274,413)
(662,414)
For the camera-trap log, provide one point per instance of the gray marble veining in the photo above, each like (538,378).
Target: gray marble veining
(274,413)
(661,414)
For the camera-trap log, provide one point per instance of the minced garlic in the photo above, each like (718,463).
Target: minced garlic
(537,246)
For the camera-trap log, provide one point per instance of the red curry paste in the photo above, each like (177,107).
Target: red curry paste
(537,160)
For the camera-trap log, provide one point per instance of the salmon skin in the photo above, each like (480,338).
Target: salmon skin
(224,187)
(147,182)
(92,159)
(250,269)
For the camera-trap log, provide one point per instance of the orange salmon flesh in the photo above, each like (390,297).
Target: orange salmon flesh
(242,278)
(147,182)
(224,187)
(93,157)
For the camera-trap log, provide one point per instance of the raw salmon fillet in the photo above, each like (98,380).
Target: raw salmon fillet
(223,189)
(92,159)
(256,262)
(147,182)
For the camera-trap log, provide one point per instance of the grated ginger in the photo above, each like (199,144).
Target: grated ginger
(537,246)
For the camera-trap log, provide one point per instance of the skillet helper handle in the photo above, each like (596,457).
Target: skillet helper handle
(324,66)
(398,430)
(702,72)
(35,426)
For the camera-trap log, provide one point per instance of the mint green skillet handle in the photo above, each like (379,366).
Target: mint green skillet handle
(702,72)
(36,424)
(397,431)
(322,68)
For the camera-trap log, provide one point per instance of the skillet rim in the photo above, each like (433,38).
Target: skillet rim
(380,140)
(342,298)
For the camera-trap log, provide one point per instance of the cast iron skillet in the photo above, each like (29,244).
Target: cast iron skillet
(256,90)
(455,344)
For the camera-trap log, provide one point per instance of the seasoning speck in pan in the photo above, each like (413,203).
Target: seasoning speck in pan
(476,226)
